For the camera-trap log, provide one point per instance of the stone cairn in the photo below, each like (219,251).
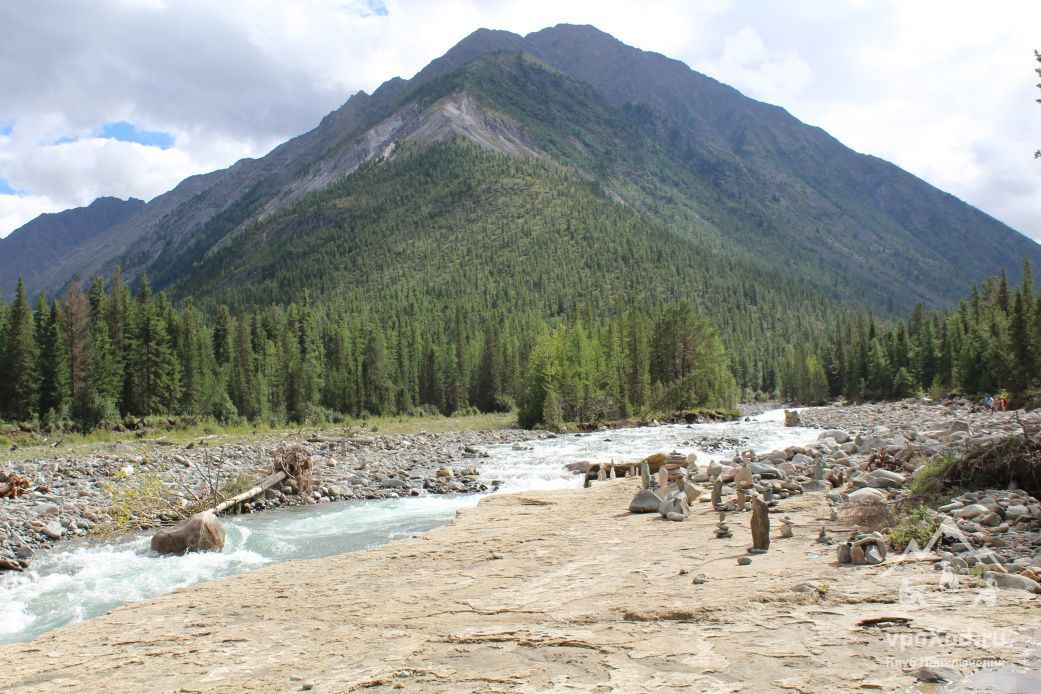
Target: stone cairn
(667,492)
(863,548)
(743,484)
(717,496)
(786,527)
(722,529)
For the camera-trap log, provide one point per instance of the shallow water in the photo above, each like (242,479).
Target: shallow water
(81,580)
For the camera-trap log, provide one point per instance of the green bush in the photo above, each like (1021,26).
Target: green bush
(924,484)
(916,524)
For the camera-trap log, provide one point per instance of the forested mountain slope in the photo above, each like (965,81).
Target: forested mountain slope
(729,175)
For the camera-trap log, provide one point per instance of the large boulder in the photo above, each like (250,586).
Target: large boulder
(200,533)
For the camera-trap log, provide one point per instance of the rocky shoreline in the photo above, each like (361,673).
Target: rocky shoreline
(881,450)
(868,452)
(67,496)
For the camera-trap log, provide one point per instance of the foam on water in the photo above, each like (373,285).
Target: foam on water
(83,580)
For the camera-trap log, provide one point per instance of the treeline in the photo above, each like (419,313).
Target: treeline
(96,357)
(988,343)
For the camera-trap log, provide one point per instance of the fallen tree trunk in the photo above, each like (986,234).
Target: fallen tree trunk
(269,481)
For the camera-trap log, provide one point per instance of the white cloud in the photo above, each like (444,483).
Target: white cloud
(944,89)
(748,65)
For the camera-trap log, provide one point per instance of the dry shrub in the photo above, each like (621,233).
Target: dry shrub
(868,515)
(295,461)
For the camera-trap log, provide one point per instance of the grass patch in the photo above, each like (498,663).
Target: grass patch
(32,445)
(137,500)
(926,481)
(917,524)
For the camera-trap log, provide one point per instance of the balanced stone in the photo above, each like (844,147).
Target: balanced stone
(740,499)
(645,475)
(760,524)
(743,477)
(717,495)
(722,529)
(786,527)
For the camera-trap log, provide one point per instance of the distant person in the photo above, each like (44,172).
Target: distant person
(988,403)
(1004,403)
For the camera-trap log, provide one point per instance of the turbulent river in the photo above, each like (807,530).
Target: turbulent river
(79,580)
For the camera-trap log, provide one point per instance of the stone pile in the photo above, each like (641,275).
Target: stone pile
(863,548)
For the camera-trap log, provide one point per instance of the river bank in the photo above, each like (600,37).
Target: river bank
(538,591)
(69,495)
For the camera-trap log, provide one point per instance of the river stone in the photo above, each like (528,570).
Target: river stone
(1016,510)
(936,675)
(895,478)
(200,533)
(1012,581)
(866,494)
(760,524)
(744,561)
(645,501)
(46,508)
(53,530)
(765,470)
(837,435)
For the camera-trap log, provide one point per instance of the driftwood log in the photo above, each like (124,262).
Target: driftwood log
(268,482)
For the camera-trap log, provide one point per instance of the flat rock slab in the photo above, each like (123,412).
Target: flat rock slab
(537,591)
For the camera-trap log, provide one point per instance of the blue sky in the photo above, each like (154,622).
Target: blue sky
(128,132)
(143,93)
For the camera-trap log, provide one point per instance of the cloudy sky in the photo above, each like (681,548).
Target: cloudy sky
(128,97)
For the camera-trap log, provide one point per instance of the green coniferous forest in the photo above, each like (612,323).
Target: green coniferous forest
(89,359)
(92,358)
(989,343)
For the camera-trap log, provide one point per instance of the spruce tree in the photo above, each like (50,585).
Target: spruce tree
(20,385)
(55,391)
